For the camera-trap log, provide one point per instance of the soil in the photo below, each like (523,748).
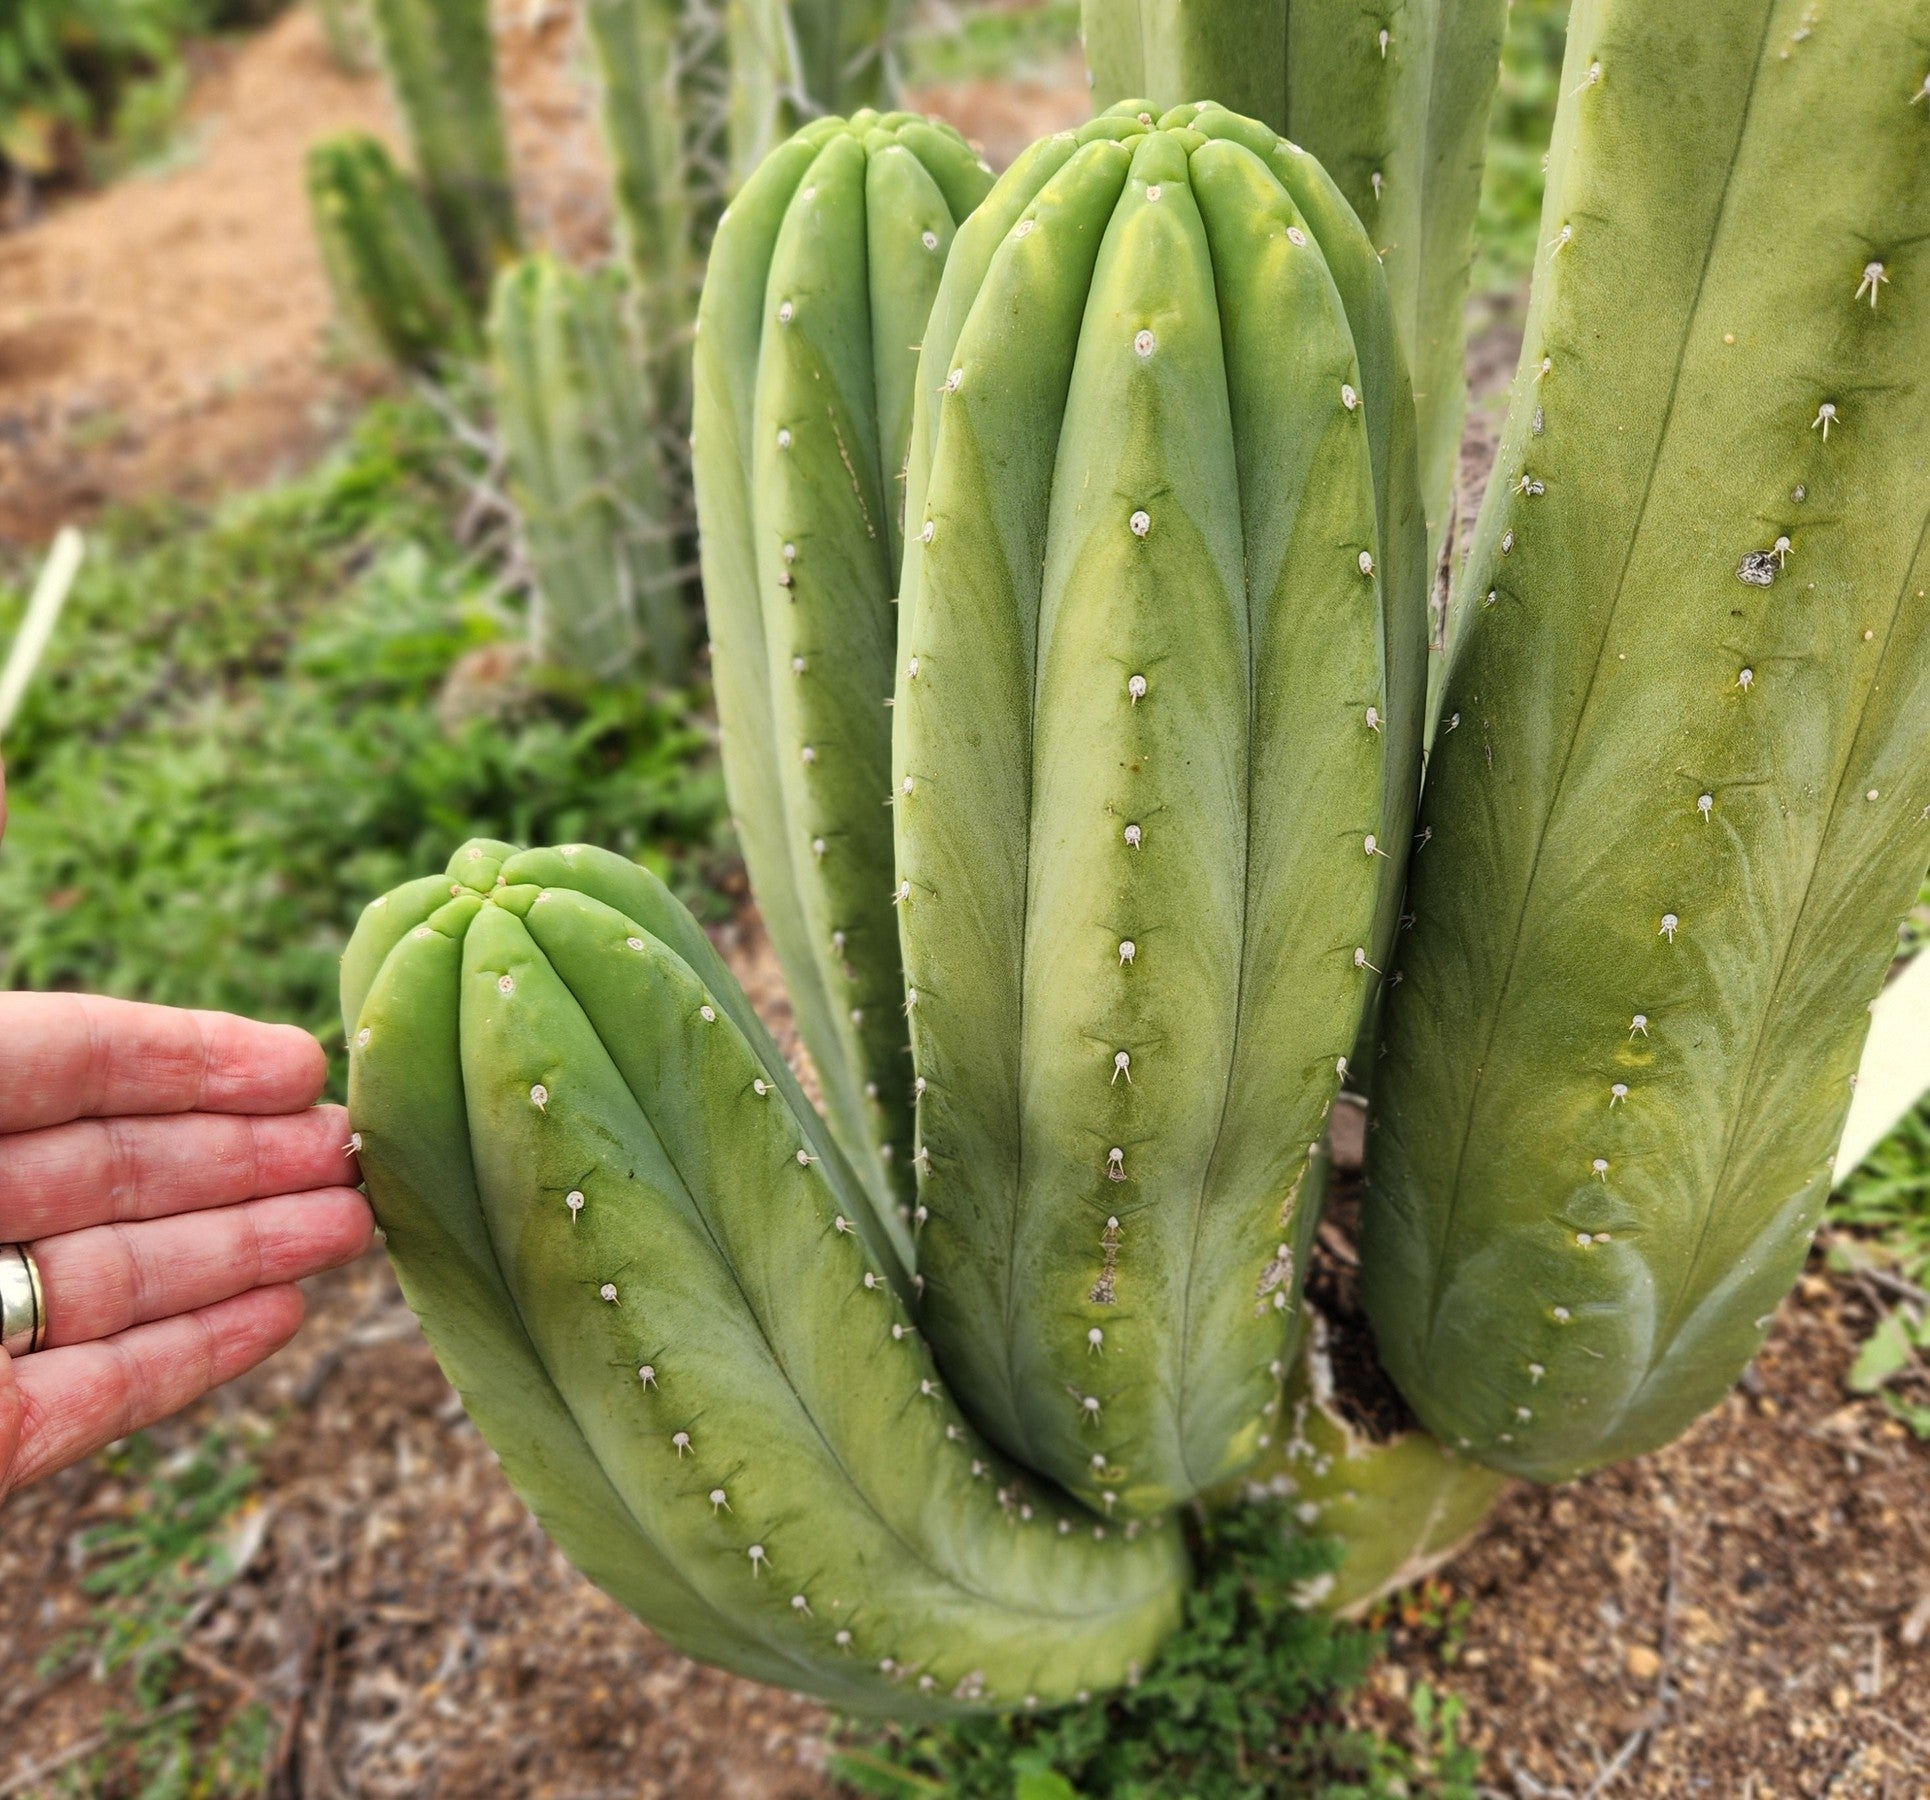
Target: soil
(1746,1614)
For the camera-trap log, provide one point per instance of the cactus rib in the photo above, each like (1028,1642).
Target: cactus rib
(660,1291)
(1149,622)
(1676,807)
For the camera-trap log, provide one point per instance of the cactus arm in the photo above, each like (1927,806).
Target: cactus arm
(627,1256)
(1175,437)
(391,276)
(1401,123)
(806,366)
(826,575)
(577,419)
(440,57)
(1674,815)
(406,1095)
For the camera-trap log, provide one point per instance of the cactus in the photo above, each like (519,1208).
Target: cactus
(1398,1504)
(670,1309)
(577,422)
(1393,99)
(392,279)
(821,280)
(1677,806)
(1155,734)
(664,82)
(796,60)
(441,62)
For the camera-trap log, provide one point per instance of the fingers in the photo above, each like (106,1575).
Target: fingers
(72,1402)
(102,1281)
(75,1056)
(101,1171)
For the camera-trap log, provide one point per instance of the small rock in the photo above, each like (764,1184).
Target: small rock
(1642,1663)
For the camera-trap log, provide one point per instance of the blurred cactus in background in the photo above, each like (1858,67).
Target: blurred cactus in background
(390,273)
(440,56)
(580,430)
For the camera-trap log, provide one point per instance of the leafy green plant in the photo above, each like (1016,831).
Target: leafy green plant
(1509,218)
(246,722)
(1243,1704)
(183,1533)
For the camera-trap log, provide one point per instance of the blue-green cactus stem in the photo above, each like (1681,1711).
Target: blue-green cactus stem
(1680,794)
(821,280)
(659,1290)
(1163,594)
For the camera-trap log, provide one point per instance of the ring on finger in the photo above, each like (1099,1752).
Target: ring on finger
(23,1302)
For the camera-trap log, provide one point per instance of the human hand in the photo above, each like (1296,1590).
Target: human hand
(172,1178)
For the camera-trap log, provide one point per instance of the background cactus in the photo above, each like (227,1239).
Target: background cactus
(441,63)
(820,284)
(391,277)
(796,60)
(668,1305)
(1156,733)
(1677,805)
(577,419)
(1394,100)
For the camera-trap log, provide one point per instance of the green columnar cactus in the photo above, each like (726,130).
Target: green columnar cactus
(578,423)
(669,1307)
(391,277)
(1155,738)
(1677,804)
(664,81)
(820,283)
(1397,1502)
(441,62)
(1393,98)
(796,60)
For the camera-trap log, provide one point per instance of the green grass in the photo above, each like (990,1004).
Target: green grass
(242,734)
(971,40)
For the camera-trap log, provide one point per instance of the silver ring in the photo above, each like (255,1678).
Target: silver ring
(23,1302)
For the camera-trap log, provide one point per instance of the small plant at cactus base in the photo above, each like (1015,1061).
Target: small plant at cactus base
(1241,1705)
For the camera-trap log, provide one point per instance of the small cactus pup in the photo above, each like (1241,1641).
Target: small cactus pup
(1156,737)
(1357,1469)
(440,57)
(820,282)
(670,1309)
(392,280)
(1679,800)
(1394,101)
(577,420)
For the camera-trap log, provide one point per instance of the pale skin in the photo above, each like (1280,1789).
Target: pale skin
(174,1178)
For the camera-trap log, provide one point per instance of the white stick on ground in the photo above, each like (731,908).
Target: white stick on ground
(43,613)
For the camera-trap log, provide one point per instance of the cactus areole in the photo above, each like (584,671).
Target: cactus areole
(1680,796)
(1161,640)
(667,1304)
